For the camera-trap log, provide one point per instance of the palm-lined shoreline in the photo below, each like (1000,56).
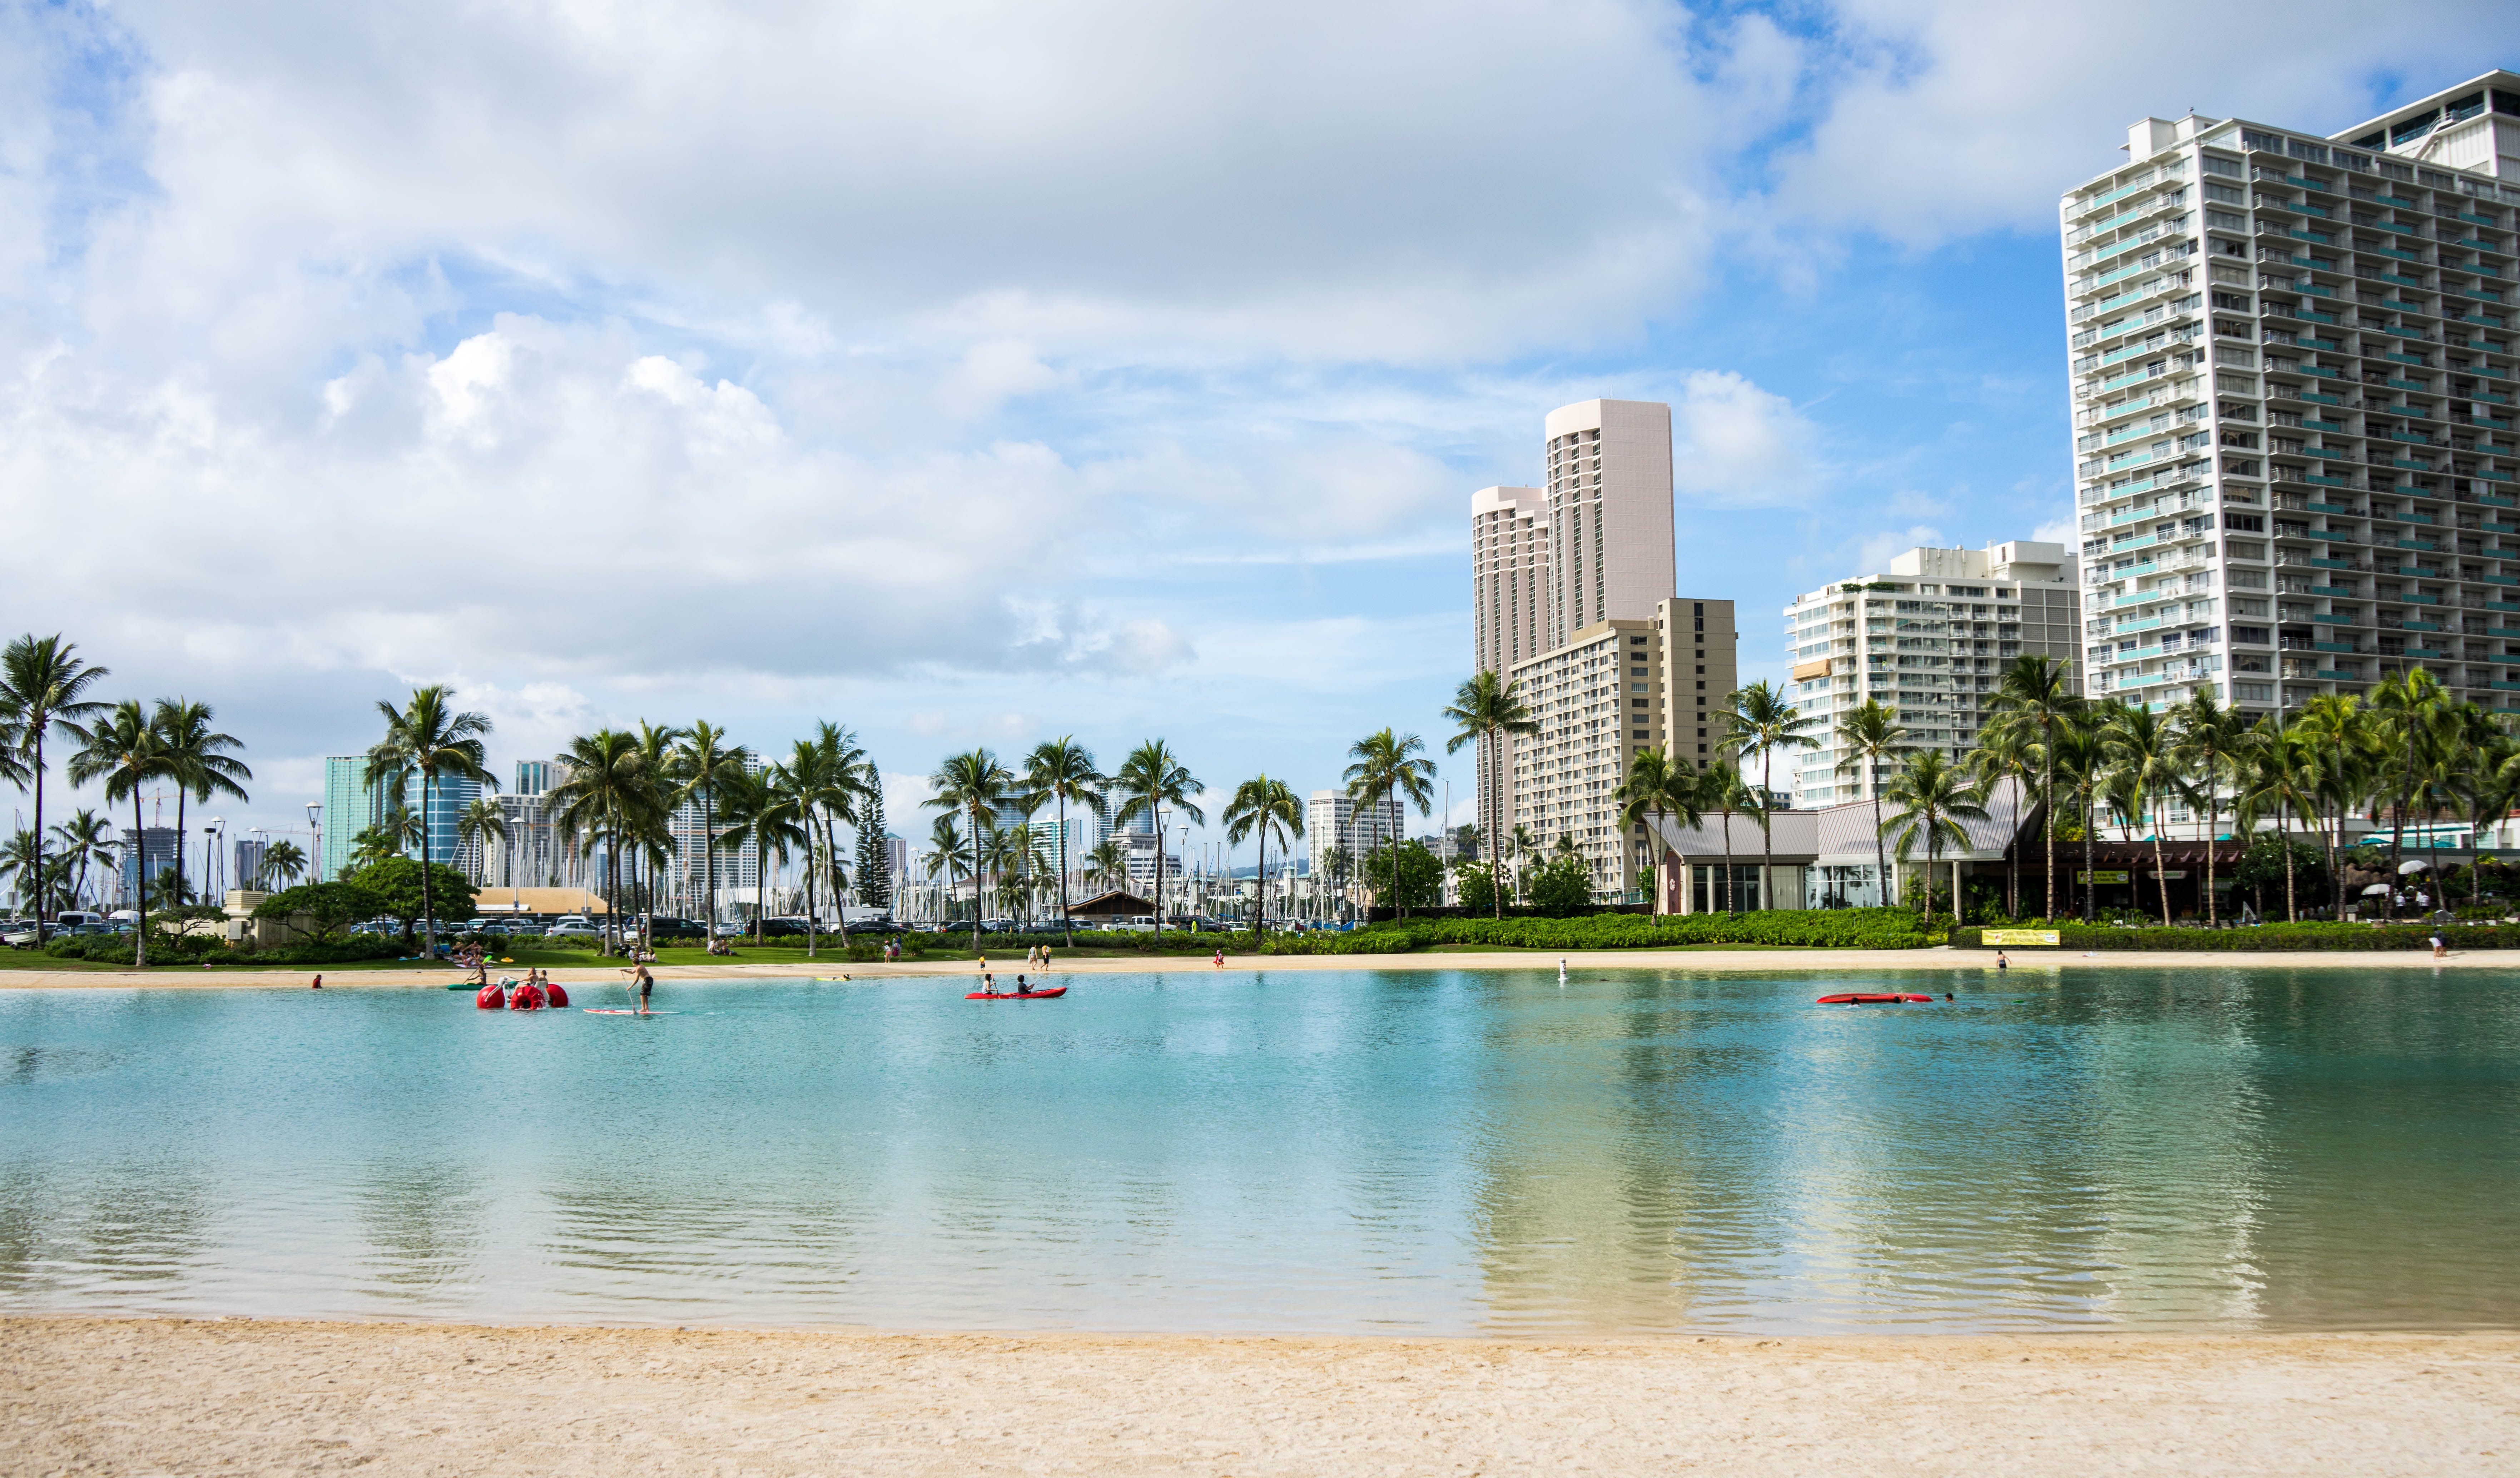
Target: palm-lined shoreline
(2412,753)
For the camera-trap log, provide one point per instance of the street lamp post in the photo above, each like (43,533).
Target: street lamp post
(315,836)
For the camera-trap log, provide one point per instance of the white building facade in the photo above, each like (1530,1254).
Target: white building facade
(2292,372)
(1332,819)
(1928,638)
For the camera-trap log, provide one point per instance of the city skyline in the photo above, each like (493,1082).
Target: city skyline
(1228,488)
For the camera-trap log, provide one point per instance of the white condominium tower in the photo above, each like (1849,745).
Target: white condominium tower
(1927,638)
(2292,373)
(1572,598)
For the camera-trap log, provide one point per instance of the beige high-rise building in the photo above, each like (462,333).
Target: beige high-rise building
(1609,513)
(1617,687)
(1572,601)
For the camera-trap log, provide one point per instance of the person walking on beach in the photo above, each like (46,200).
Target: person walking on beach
(2441,950)
(1220,957)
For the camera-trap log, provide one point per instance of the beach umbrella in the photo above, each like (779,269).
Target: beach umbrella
(2375,889)
(2418,866)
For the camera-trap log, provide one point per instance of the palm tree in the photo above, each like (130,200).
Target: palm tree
(606,780)
(1387,767)
(1525,845)
(760,813)
(1722,790)
(42,681)
(428,740)
(819,784)
(2079,755)
(198,760)
(1263,805)
(1150,779)
(951,857)
(2209,739)
(1759,723)
(2143,752)
(2489,788)
(972,783)
(88,837)
(1934,796)
(2413,713)
(2008,752)
(1060,772)
(1107,861)
(123,751)
(2346,744)
(476,826)
(1484,712)
(702,764)
(34,871)
(2035,693)
(2275,774)
(283,861)
(1658,787)
(1868,737)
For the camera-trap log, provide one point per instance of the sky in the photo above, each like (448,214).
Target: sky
(971,373)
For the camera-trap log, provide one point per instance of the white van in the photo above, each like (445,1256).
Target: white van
(69,918)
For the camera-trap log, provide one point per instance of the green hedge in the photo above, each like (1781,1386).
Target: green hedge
(2075,937)
(1814,929)
(118,949)
(326,952)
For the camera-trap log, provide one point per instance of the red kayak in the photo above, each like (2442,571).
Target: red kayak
(1052,993)
(1863,998)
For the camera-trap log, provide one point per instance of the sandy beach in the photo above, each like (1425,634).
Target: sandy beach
(151,1396)
(1795,962)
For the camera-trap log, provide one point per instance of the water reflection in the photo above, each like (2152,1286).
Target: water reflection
(1440,1152)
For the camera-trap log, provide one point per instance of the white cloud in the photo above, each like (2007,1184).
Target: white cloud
(1938,118)
(1873,551)
(1735,443)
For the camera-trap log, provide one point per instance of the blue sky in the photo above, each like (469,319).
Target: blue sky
(970,372)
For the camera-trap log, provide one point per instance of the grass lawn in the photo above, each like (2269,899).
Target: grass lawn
(1526,949)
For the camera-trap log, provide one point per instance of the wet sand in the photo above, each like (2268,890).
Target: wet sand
(152,1395)
(1736,962)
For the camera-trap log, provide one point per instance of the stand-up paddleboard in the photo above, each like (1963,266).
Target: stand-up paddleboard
(1052,993)
(623,1011)
(1868,999)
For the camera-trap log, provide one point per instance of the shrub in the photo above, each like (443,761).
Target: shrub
(328,952)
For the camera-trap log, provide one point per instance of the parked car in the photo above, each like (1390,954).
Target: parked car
(69,918)
(17,936)
(579,929)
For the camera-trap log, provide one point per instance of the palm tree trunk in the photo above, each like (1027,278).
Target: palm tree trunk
(427,909)
(180,798)
(37,745)
(2160,882)
(140,935)
(2091,888)
(1880,849)
(1766,835)
(2283,838)
(760,890)
(2212,918)
(2047,809)
(1496,874)
(1728,860)
(1067,922)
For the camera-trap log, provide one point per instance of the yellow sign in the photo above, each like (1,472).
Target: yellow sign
(2016,937)
(2118,876)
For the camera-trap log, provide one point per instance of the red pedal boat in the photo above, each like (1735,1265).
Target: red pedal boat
(1864,999)
(1051,994)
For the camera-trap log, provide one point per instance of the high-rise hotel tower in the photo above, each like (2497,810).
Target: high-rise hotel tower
(2292,375)
(1571,589)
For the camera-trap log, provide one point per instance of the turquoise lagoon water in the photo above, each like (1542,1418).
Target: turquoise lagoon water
(1355,1151)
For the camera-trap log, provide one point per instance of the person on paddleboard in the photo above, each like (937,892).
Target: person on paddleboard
(644,983)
